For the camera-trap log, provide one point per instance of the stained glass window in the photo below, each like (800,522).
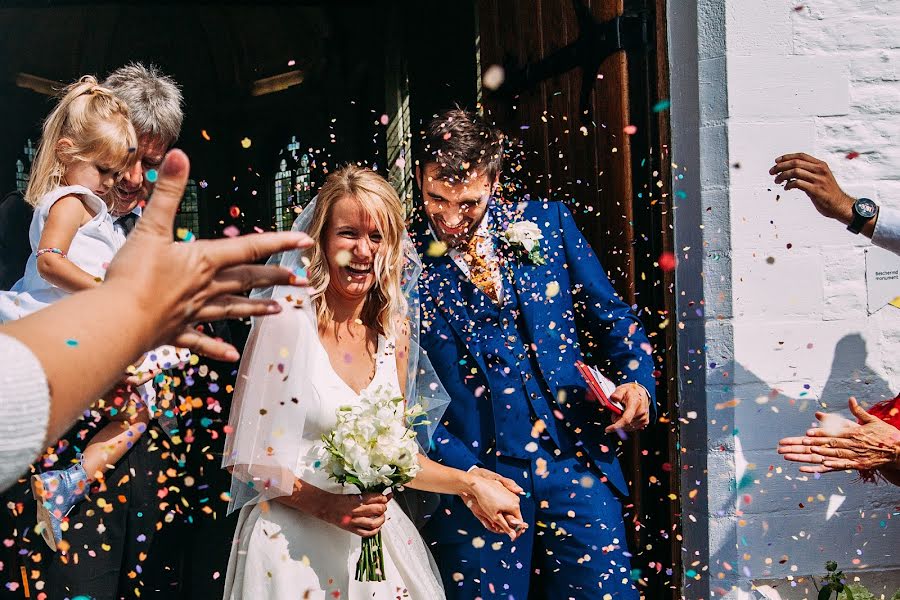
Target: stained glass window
(23,166)
(282,193)
(188,215)
(293,185)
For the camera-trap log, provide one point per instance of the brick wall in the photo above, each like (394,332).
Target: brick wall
(785,331)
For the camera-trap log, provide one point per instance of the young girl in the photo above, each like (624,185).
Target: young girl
(87,142)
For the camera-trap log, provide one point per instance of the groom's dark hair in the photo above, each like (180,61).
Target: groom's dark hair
(462,144)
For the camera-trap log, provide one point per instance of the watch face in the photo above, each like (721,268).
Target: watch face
(865,208)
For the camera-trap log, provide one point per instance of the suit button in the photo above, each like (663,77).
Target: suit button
(533,396)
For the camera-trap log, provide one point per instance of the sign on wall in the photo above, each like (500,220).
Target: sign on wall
(882,279)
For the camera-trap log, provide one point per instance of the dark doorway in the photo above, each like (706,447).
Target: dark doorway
(369,74)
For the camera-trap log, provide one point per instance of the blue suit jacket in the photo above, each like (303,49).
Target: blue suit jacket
(584,320)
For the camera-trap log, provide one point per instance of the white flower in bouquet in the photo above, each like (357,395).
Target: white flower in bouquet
(373,447)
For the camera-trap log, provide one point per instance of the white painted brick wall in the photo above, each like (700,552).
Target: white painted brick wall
(786,326)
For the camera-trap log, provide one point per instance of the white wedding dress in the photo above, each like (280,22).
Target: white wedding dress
(279,553)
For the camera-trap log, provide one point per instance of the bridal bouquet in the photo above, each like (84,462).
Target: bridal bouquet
(373,446)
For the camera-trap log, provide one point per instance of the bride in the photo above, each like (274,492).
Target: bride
(298,535)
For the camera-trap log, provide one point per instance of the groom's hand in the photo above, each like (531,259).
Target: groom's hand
(637,408)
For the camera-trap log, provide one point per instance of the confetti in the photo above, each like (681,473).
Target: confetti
(342,258)
(493,77)
(436,248)
(834,503)
(205,135)
(152,175)
(246,143)
(667,261)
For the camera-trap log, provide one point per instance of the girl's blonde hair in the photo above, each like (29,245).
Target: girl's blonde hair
(97,124)
(385,306)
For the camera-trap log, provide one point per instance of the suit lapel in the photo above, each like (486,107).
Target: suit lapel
(529,282)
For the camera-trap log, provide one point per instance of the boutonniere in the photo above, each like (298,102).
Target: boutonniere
(525,236)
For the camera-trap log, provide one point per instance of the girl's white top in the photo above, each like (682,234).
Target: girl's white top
(92,249)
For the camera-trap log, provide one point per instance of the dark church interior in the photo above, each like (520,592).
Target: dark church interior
(275,94)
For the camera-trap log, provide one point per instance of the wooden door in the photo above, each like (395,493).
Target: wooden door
(592,130)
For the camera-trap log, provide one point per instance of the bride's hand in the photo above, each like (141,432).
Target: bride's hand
(360,514)
(495,506)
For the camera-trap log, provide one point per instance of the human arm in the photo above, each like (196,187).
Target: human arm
(800,171)
(64,219)
(615,331)
(445,447)
(493,500)
(24,406)
(153,290)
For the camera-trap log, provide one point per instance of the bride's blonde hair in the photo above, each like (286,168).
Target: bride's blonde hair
(385,306)
(97,125)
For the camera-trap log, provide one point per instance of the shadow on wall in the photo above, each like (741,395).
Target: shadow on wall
(767,520)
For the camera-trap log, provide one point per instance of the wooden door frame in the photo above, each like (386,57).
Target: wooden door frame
(648,78)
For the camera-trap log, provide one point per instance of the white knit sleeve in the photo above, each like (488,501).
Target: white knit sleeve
(887,230)
(24,409)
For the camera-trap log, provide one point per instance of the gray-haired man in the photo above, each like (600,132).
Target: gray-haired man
(154,104)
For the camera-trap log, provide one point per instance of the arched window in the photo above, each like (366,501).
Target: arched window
(282,193)
(292,186)
(188,216)
(23,166)
(21,176)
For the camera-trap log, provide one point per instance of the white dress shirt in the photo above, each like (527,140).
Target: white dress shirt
(137,210)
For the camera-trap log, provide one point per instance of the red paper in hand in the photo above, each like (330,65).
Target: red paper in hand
(599,388)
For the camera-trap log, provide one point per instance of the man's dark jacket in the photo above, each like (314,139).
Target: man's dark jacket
(15,220)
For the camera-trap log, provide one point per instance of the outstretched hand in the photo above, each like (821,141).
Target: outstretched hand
(841,444)
(800,171)
(177,284)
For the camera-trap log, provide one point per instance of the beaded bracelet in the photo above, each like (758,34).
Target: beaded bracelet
(51,251)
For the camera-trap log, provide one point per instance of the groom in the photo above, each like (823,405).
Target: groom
(512,296)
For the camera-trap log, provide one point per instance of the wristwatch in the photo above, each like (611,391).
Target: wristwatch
(864,210)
